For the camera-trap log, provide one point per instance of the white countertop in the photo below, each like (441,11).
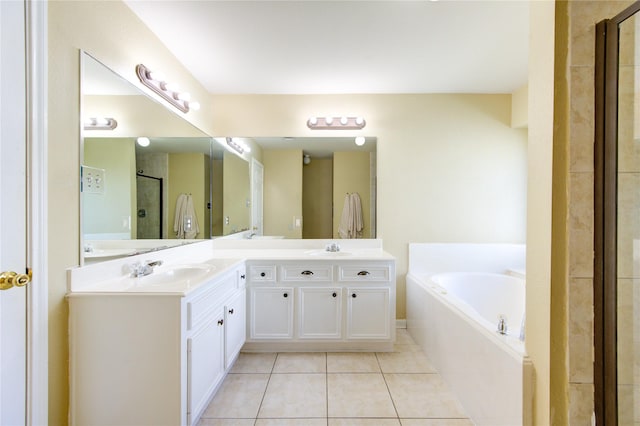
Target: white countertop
(205,260)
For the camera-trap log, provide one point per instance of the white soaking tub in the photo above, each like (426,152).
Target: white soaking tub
(454,317)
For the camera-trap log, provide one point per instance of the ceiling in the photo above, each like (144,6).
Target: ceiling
(346,46)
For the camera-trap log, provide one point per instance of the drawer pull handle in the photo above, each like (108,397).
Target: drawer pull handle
(286,295)
(307,272)
(262,274)
(363,273)
(220,322)
(354,295)
(334,294)
(242,276)
(231,311)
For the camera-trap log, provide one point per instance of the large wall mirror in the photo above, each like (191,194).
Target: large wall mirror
(153,181)
(133,188)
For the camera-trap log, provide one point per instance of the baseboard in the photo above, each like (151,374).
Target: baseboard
(401,323)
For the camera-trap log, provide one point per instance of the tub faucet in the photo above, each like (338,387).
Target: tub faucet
(502,324)
(141,269)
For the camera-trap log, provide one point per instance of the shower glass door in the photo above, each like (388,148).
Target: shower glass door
(149,207)
(628,223)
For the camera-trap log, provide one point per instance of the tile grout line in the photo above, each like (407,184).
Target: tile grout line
(388,390)
(264,394)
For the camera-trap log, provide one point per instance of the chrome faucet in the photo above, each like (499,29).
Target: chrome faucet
(141,269)
(502,324)
(333,247)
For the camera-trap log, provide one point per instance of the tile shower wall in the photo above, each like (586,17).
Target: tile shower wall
(582,17)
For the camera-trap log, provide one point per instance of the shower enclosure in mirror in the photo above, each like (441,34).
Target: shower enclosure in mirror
(617,220)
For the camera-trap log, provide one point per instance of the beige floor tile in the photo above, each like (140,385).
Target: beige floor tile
(226,422)
(406,348)
(314,362)
(436,422)
(295,396)
(292,422)
(422,396)
(364,422)
(352,362)
(254,363)
(404,362)
(238,397)
(359,395)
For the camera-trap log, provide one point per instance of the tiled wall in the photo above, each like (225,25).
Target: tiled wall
(582,17)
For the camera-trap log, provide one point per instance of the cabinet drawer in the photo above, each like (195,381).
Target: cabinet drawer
(201,305)
(262,273)
(316,273)
(366,273)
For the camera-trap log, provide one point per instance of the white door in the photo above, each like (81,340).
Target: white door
(13,324)
(257,184)
(368,313)
(320,313)
(271,313)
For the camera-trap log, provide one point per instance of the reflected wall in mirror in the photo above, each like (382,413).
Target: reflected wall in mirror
(131,194)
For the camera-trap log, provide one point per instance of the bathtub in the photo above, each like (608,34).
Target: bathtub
(453,316)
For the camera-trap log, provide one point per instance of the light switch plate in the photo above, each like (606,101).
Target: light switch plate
(92,180)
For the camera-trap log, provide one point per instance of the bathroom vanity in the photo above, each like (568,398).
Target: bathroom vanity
(153,350)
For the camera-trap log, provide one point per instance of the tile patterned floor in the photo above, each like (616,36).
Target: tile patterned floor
(398,388)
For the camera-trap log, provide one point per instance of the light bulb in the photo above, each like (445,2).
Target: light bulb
(313,121)
(101,121)
(359,121)
(155,75)
(143,141)
(170,87)
(184,96)
(306,159)
(360,140)
(344,121)
(328,120)
(194,105)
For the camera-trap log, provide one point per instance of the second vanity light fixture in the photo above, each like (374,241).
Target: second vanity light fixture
(156,82)
(100,123)
(238,145)
(336,123)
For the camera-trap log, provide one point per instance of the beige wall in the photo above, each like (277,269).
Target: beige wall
(112,211)
(236,194)
(317,198)
(351,174)
(282,192)
(187,175)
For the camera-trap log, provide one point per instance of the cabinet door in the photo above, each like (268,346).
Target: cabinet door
(235,327)
(205,365)
(320,313)
(368,313)
(271,313)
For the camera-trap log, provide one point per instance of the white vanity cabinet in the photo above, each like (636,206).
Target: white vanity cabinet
(320,305)
(153,358)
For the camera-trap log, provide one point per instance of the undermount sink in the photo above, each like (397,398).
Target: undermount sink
(175,274)
(328,253)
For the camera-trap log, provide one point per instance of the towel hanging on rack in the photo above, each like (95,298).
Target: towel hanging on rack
(351,221)
(185,224)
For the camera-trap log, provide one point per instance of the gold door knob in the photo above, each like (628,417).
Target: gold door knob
(12,279)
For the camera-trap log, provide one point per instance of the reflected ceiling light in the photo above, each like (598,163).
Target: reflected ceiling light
(360,140)
(100,123)
(238,145)
(336,123)
(306,159)
(168,91)
(143,141)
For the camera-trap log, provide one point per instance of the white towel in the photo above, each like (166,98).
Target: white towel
(185,224)
(351,221)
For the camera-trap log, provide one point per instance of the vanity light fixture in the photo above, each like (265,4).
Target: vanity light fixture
(238,145)
(169,92)
(100,123)
(336,123)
